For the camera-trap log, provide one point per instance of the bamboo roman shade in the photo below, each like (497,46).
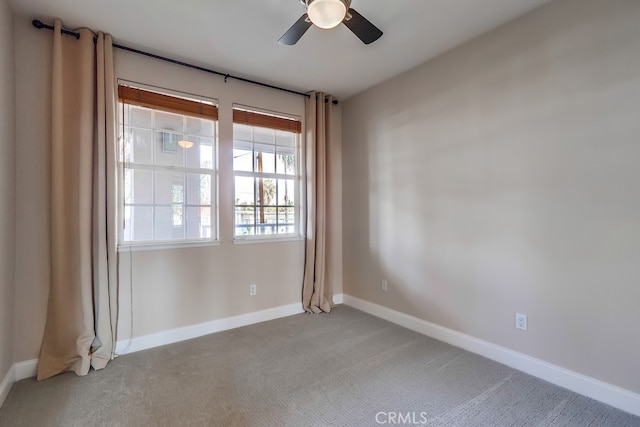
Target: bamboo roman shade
(253,118)
(171,104)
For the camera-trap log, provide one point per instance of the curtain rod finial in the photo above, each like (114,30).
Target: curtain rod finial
(37,23)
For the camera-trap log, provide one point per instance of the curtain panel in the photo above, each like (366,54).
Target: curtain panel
(317,291)
(82,305)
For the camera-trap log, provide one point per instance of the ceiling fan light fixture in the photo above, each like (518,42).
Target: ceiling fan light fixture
(326,13)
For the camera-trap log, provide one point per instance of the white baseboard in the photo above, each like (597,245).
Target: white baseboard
(607,393)
(26,369)
(17,371)
(194,331)
(338,298)
(6,384)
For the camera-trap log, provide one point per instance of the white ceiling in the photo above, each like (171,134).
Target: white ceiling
(240,36)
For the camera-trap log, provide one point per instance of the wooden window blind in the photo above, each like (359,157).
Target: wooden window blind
(253,118)
(171,104)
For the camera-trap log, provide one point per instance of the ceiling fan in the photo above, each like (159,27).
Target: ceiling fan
(329,14)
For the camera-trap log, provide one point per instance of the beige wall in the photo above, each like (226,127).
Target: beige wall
(7,187)
(171,288)
(503,177)
(33,64)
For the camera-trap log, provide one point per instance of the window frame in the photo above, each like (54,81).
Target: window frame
(186,107)
(265,119)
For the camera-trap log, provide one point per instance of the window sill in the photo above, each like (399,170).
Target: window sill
(252,240)
(159,246)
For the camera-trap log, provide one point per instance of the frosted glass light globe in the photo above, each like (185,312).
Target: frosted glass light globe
(326,13)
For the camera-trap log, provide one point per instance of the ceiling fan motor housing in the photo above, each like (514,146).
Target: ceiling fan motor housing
(328,14)
(347,3)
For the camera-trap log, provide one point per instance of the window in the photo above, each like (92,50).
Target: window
(266,181)
(167,165)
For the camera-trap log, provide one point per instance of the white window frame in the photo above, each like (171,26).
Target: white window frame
(123,166)
(296,177)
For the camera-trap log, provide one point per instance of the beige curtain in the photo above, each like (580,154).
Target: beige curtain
(317,291)
(82,307)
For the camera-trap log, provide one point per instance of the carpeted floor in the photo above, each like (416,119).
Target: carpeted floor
(343,369)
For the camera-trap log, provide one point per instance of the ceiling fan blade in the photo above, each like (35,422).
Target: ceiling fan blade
(296,31)
(361,27)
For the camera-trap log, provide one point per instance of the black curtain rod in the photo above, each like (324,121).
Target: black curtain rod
(41,25)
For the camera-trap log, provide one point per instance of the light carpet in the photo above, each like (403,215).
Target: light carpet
(346,368)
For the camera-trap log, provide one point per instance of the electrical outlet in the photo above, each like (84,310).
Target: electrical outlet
(253,290)
(521,321)
(385,285)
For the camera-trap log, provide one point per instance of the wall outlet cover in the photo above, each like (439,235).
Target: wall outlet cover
(521,321)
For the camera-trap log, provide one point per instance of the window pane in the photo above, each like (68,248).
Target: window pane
(138,116)
(242,132)
(270,216)
(138,186)
(126,186)
(201,154)
(178,212)
(167,150)
(286,216)
(243,158)
(138,223)
(169,121)
(198,189)
(287,139)
(266,228)
(198,221)
(266,191)
(137,146)
(265,159)
(245,230)
(164,223)
(244,220)
(169,188)
(244,188)
(286,192)
(266,220)
(285,161)
(289,229)
(198,126)
(264,135)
